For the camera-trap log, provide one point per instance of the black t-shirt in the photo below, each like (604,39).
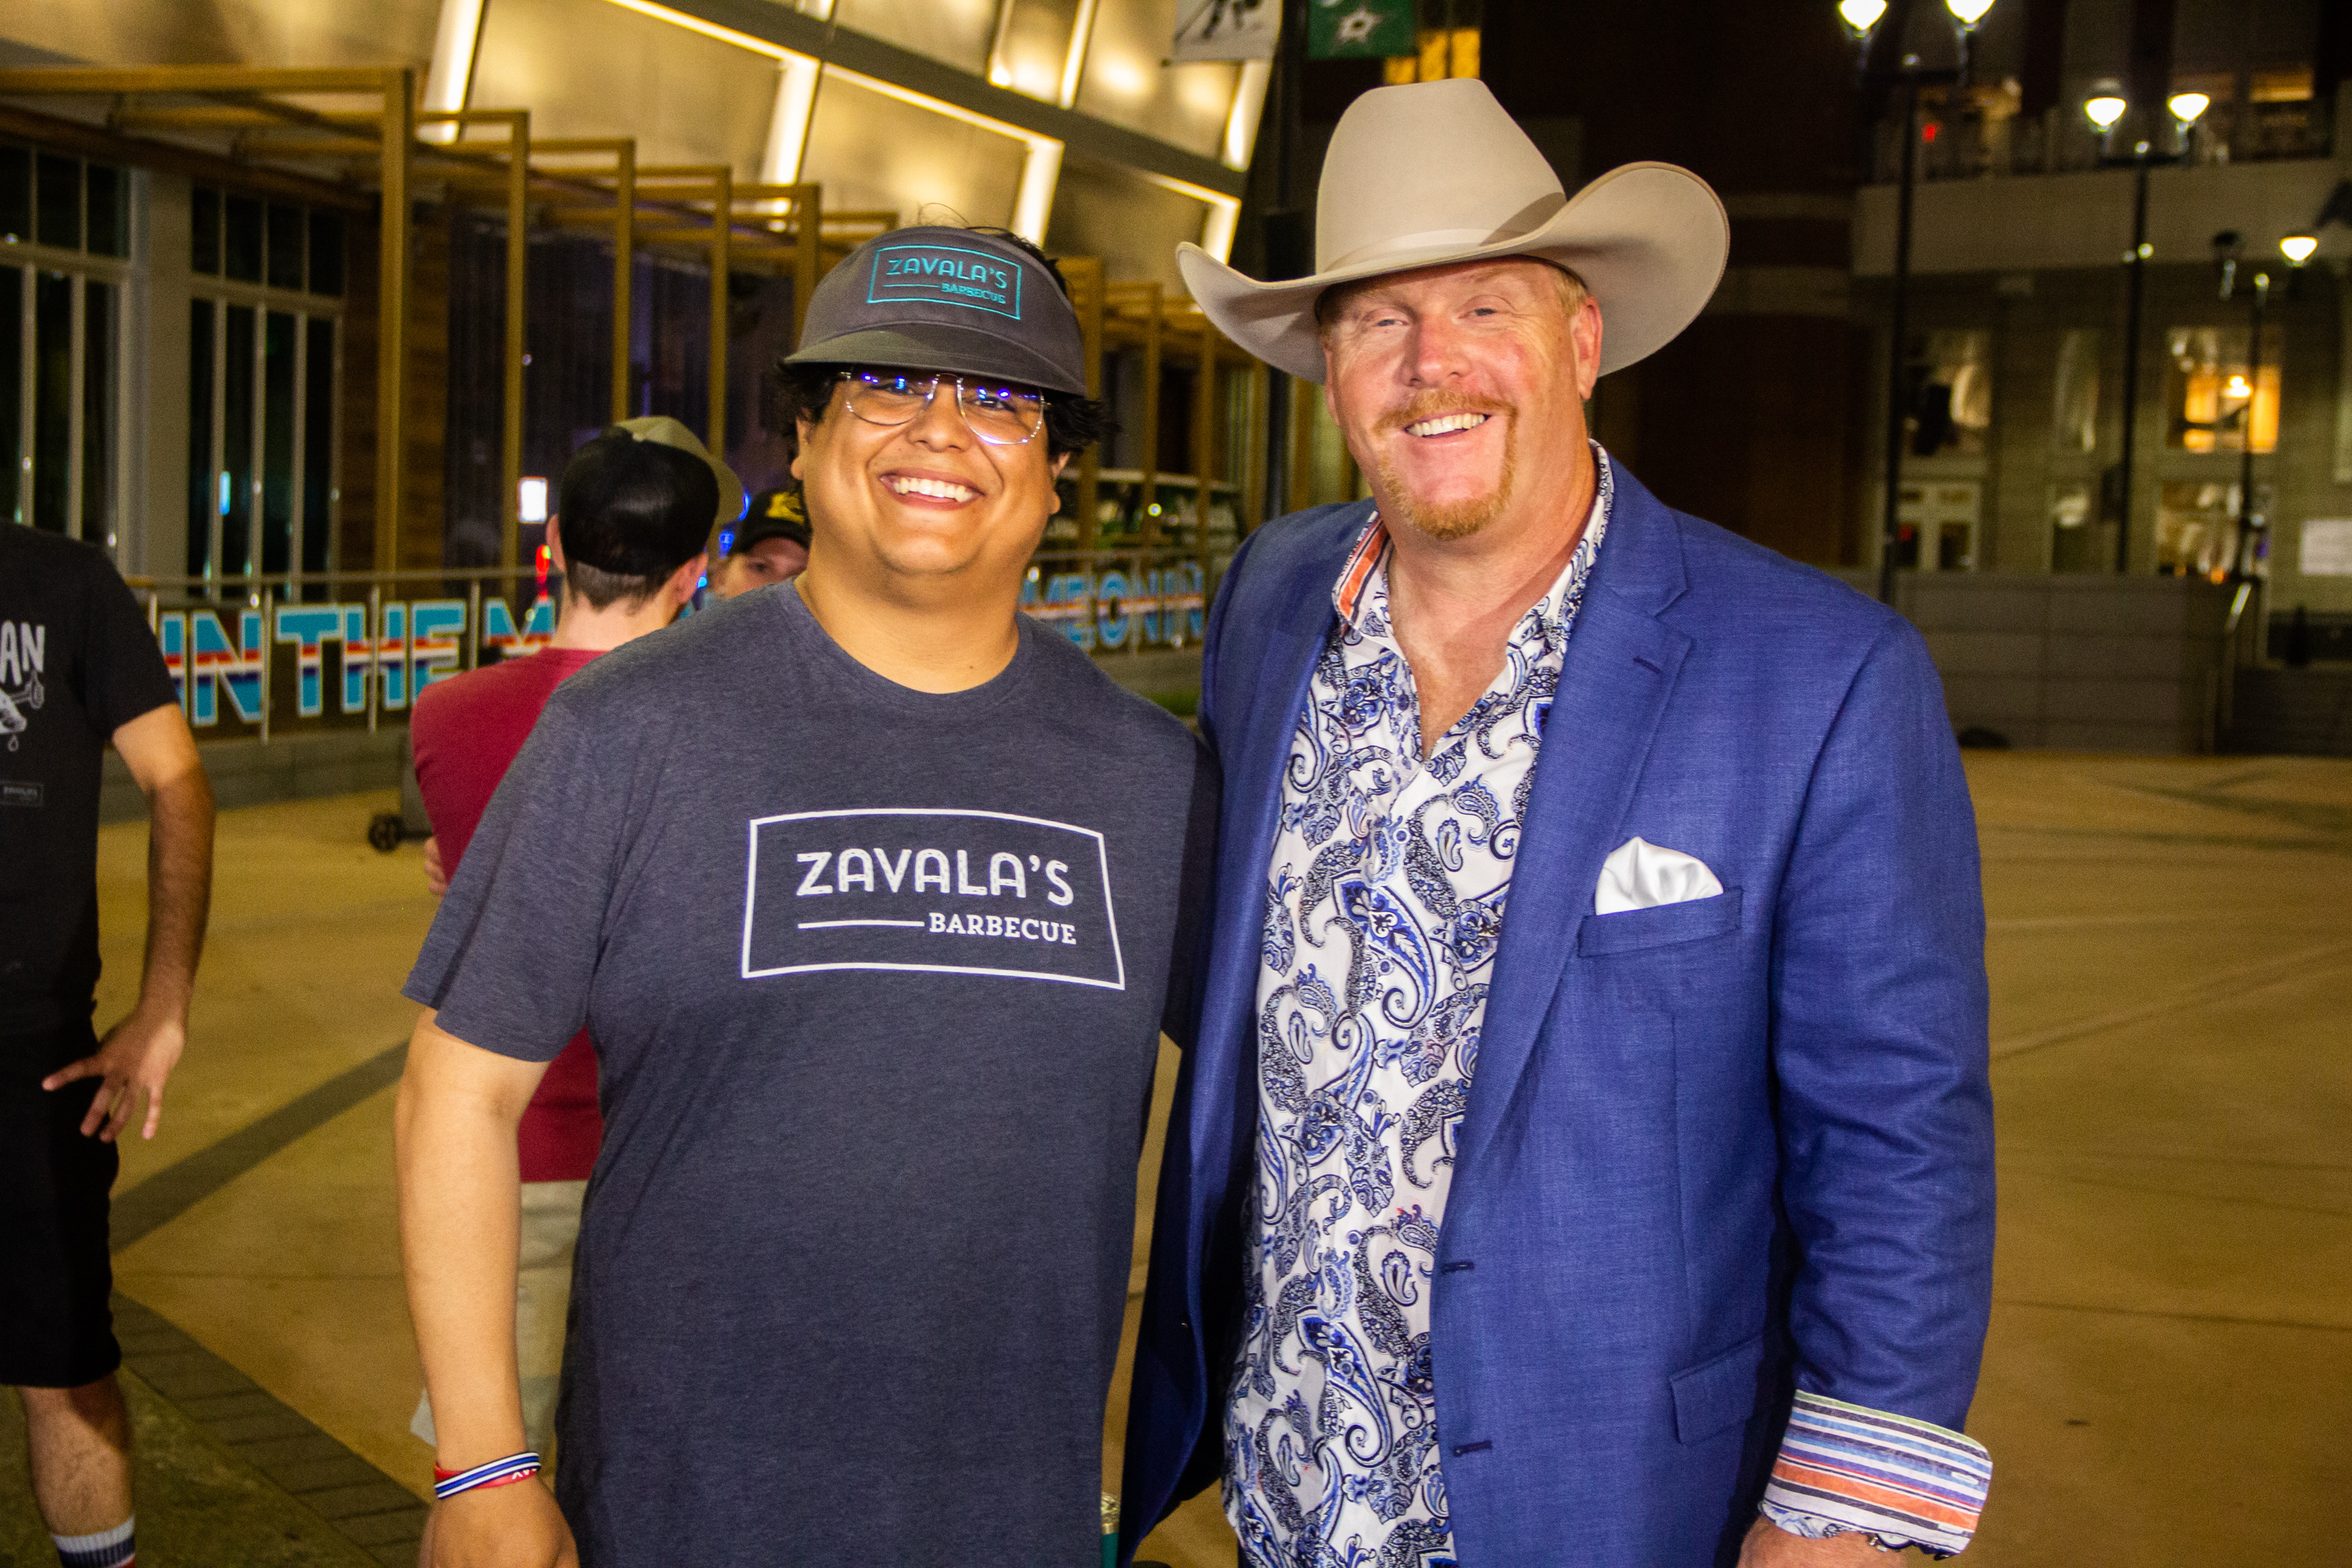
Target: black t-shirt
(876,979)
(76,663)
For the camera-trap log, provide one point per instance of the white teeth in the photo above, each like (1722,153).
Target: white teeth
(1446,424)
(941,489)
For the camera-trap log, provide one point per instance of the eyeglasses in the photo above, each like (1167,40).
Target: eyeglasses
(1000,415)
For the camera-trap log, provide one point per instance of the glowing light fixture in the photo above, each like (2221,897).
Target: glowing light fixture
(1862,16)
(2238,387)
(2297,248)
(1968,13)
(531,499)
(2104,109)
(2187,106)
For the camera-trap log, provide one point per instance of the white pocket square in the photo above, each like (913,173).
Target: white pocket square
(1639,875)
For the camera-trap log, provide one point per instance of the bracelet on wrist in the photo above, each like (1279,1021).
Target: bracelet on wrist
(505,1472)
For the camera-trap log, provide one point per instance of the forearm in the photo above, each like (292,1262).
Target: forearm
(179,890)
(459,1202)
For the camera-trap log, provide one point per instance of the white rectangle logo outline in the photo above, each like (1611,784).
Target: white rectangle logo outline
(751,890)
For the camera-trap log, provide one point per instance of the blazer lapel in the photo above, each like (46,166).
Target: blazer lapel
(1614,684)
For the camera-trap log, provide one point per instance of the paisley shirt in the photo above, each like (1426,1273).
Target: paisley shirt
(1384,906)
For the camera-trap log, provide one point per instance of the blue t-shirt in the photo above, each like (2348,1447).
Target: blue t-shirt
(877,978)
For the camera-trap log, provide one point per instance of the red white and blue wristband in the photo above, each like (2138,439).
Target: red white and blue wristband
(514,1467)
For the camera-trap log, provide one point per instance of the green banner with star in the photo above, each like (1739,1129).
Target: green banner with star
(1352,29)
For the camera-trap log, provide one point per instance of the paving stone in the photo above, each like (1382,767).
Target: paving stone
(378,1495)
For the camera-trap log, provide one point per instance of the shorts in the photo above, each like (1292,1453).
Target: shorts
(57,1330)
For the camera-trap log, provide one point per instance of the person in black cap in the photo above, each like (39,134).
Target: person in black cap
(875,896)
(770,545)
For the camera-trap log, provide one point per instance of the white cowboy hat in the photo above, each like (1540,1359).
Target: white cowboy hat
(1438,172)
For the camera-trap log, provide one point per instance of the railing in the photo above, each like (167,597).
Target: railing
(1962,143)
(287,653)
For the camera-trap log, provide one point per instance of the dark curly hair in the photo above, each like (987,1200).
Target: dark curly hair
(1072,423)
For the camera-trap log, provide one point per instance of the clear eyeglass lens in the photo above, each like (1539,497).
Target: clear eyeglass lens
(1001,416)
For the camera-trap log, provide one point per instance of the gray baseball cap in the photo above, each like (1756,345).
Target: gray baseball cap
(950,300)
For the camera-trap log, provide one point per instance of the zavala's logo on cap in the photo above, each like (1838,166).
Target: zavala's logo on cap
(943,275)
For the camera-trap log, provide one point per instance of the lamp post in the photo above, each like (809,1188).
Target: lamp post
(2253,521)
(1862,18)
(2103,111)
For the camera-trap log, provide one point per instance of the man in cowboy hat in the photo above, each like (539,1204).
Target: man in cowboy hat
(1586,1143)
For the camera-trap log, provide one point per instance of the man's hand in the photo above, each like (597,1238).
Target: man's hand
(1769,1546)
(436,880)
(516,1526)
(138,1054)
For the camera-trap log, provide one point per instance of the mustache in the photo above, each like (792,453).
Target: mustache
(1434,404)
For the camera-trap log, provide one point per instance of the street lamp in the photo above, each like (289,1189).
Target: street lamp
(2251,520)
(1862,18)
(2186,107)
(2103,110)
(1967,13)
(2297,248)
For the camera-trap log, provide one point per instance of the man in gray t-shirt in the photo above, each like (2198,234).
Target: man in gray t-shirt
(876,897)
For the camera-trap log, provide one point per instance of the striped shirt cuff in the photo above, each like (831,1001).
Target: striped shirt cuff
(1843,1468)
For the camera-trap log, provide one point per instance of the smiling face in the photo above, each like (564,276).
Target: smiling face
(926,500)
(1460,390)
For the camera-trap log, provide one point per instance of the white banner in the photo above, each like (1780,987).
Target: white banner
(2326,547)
(1226,29)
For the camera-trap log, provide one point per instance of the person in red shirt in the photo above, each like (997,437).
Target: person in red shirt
(634,509)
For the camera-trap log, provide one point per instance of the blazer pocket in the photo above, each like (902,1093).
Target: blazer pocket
(1719,1393)
(1693,920)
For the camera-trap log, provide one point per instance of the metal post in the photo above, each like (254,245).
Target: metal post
(1146,522)
(474,621)
(1085,276)
(808,218)
(625,220)
(269,629)
(518,277)
(398,132)
(1205,437)
(375,638)
(2250,520)
(1899,347)
(722,232)
(2136,273)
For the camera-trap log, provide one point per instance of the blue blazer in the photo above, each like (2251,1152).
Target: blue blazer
(1713,1150)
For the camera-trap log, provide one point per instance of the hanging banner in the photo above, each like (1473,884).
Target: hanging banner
(1352,29)
(1229,30)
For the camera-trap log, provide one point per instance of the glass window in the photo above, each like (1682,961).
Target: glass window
(318,442)
(202,505)
(2074,533)
(52,398)
(56,194)
(11,391)
(1951,397)
(242,224)
(326,253)
(236,442)
(205,232)
(2075,415)
(98,329)
(2196,527)
(16,193)
(285,234)
(110,210)
(2207,395)
(277,442)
